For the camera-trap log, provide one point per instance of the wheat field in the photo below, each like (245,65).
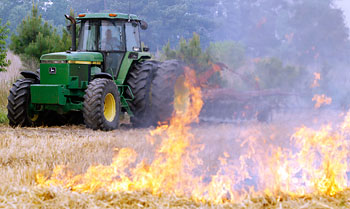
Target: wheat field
(26,152)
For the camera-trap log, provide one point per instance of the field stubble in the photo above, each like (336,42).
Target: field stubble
(24,152)
(7,78)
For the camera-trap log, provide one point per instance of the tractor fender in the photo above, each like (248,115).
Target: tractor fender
(29,74)
(102,75)
(143,57)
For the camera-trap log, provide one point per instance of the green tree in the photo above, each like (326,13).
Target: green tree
(13,11)
(35,37)
(3,50)
(229,52)
(190,52)
(291,30)
(272,73)
(169,20)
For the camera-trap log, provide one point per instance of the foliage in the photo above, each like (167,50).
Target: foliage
(189,52)
(3,116)
(168,20)
(229,52)
(290,30)
(3,36)
(272,73)
(36,37)
(14,11)
(168,53)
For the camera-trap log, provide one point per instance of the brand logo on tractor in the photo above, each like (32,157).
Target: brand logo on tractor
(52,70)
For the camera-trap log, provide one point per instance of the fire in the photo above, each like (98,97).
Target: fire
(170,170)
(316,80)
(316,161)
(321,100)
(204,77)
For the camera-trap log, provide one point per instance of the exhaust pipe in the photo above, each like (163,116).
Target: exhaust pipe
(73,31)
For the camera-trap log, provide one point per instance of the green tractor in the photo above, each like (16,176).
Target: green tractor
(109,73)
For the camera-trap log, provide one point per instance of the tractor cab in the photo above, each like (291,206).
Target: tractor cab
(113,35)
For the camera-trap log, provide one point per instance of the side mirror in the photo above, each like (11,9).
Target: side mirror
(136,49)
(143,25)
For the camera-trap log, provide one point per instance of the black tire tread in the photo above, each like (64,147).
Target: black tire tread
(93,106)
(163,89)
(18,100)
(139,79)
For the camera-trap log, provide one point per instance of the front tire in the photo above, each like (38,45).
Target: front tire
(20,110)
(101,105)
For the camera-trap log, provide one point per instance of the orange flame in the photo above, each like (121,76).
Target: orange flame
(170,171)
(315,162)
(316,80)
(289,37)
(205,76)
(321,100)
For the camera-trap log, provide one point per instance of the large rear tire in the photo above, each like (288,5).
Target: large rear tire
(139,80)
(168,84)
(20,110)
(154,86)
(101,105)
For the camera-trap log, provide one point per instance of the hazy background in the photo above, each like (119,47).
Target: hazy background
(345,6)
(274,43)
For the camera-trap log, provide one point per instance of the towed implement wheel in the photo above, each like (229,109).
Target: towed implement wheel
(102,105)
(20,109)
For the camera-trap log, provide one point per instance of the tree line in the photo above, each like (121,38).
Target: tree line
(280,37)
(292,30)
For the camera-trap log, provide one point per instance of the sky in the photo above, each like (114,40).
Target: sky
(345,6)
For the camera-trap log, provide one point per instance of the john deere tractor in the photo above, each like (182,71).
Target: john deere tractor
(107,74)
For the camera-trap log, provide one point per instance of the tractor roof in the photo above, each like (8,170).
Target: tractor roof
(107,16)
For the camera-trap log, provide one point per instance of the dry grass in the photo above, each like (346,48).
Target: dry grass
(24,152)
(6,80)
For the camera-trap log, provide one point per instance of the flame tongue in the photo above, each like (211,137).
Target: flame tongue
(321,100)
(171,170)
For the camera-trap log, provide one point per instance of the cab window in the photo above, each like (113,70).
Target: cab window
(132,36)
(101,35)
(111,36)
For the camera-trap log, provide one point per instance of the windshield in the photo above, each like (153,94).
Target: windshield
(101,35)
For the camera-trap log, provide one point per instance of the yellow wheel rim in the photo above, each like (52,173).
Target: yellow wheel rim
(109,107)
(35,117)
(182,96)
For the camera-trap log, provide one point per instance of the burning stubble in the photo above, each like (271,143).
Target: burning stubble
(311,161)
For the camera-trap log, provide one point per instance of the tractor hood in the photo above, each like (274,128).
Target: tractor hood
(73,56)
